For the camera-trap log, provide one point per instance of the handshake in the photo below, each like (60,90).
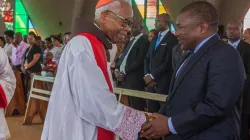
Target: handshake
(156,126)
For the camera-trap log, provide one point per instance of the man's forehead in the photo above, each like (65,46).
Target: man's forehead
(185,18)
(233,25)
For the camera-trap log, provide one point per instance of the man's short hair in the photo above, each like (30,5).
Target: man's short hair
(236,22)
(203,11)
(166,17)
(48,39)
(9,33)
(57,37)
(19,33)
(2,38)
(67,33)
(33,34)
(38,38)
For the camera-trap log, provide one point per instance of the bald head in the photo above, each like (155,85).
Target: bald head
(233,31)
(202,11)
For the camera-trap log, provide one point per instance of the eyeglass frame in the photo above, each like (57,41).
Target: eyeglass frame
(128,22)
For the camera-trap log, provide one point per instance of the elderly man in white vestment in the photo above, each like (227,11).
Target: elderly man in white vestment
(7,88)
(82,105)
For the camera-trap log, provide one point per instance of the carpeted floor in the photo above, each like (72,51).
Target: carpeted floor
(24,132)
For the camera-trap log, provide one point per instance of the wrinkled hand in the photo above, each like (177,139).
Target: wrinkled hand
(156,128)
(121,76)
(148,79)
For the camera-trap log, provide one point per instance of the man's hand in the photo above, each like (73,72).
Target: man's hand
(156,128)
(148,79)
(23,70)
(14,43)
(151,84)
(121,76)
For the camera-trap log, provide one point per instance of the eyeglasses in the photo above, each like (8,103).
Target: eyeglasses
(125,22)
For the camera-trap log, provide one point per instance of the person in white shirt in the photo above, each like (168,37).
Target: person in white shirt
(9,36)
(82,105)
(50,48)
(56,41)
(7,88)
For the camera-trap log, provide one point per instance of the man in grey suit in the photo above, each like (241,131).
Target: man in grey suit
(205,95)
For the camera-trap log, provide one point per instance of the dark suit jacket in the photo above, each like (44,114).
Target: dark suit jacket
(177,56)
(159,62)
(205,99)
(244,51)
(134,66)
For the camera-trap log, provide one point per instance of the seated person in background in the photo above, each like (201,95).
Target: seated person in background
(49,66)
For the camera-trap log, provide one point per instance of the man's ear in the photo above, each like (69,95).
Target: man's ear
(204,27)
(103,17)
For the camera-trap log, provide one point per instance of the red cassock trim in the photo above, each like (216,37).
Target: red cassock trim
(3,100)
(101,60)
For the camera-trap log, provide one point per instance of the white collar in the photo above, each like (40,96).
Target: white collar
(164,33)
(101,30)
(235,44)
(138,36)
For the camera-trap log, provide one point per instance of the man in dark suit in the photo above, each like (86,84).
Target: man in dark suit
(205,97)
(177,56)
(234,39)
(158,62)
(130,64)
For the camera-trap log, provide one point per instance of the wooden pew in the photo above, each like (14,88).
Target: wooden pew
(18,100)
(140,94)
(38,98)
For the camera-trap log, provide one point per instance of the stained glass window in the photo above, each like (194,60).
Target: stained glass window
(15,16)
(7,8)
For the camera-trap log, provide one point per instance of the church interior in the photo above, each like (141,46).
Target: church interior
(51,22)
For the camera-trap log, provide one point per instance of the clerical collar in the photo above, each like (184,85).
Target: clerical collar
(84,26)
(100,29)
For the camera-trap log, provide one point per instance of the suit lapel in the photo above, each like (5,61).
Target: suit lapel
(153,42)
(195,58)
(240,47)
(165,39)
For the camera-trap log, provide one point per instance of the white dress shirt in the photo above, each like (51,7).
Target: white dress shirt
(235,44)
(123,65)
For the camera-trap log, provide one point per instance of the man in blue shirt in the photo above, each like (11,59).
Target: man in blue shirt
(205,97)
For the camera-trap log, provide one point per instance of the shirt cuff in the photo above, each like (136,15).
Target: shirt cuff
(150,76)
(171,127)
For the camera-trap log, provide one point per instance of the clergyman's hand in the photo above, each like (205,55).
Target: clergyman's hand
(121,76)
(148,79)
(151,84)
(156,128)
